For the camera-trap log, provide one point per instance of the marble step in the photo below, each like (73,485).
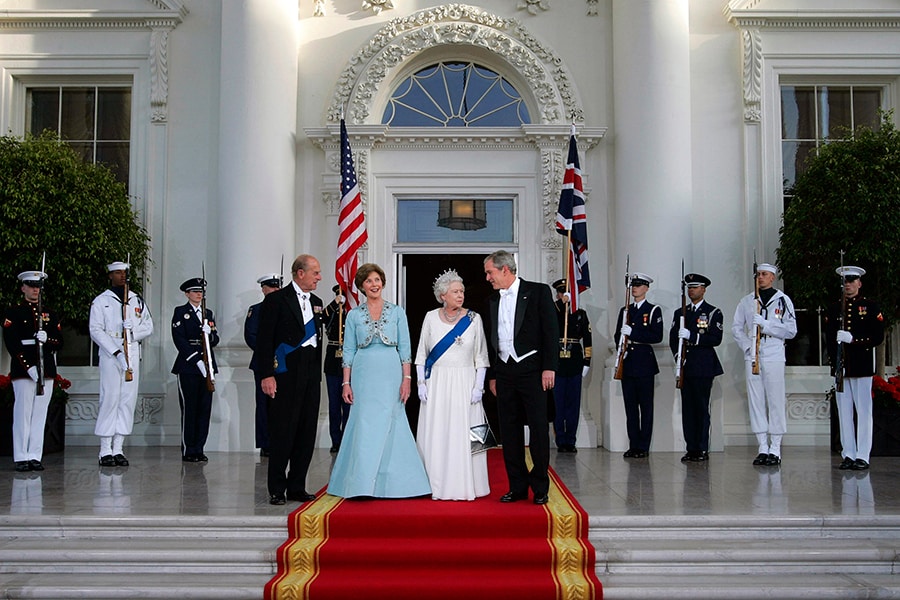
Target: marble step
(750,587)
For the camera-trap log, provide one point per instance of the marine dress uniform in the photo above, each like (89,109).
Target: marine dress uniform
(118,397)
(859,332)
(335,318)
(702,332)
(195,398)
(24,327)
(574,363)
(639,367)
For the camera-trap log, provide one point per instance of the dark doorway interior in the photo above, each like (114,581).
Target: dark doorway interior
(421,271)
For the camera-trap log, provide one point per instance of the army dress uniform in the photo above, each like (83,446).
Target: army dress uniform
(335,317)
(703,321)
(118,397)
(20,327)
(865,323)
(194,396)
(639,368)
(573,366)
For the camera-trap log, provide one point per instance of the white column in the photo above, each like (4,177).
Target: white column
(652,147)
(256,196)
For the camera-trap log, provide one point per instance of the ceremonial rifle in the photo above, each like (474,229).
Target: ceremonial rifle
(126,333)
(39,385)
(623,343)
(682,351)
(839,355)
(207,349)
(755,366)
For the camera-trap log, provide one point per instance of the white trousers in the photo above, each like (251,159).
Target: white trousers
(117,396)
(765,392)
(857,393)
(29,418)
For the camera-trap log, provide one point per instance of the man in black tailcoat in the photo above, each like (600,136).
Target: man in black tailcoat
(289,359)
(523,345)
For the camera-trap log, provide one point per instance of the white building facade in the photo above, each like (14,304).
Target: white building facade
(692,117)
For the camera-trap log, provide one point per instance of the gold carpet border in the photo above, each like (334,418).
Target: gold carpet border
(301,556)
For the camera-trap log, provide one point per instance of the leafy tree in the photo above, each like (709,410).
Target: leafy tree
(847,199)
(51,200)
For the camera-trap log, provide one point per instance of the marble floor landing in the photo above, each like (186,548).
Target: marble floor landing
(233,484)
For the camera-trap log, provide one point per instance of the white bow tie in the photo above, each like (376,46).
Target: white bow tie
(505,292)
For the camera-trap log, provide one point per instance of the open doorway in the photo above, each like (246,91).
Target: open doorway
(420,272)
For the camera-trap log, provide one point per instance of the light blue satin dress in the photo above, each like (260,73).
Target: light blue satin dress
(378,455)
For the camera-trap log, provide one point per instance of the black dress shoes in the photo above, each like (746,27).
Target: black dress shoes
(773,460)
(120,460)
(23,466)
(541,499)
(511,497)
(190,458)
(703,456)
(760,459)
(334,449)
(36,465)
(846,464)
(689,457)
(860,465)
(264,453)
(202,458)
(107,460)
(640,454)
(300,497)
(276,499)
(629,453)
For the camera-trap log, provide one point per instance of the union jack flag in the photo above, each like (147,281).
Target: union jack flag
(571,217)
(351,224)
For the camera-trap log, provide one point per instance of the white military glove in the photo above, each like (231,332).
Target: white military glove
(127,325)
(760,321)
(684,333)
(584,370)
(41,336)
(626,329)
(123,364)
(201,367)
(32,372)
(206,328)
(476,395)
(844,337)
(423,392)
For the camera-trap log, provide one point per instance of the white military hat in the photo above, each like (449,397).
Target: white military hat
(850,272)
(32,276)
(117,266)
(640,279)
(270,279)
(769,268)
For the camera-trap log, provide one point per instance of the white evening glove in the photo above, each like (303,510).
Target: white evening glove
(422,387)
(477,393)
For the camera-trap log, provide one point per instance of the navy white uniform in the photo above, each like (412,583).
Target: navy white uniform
(765,391)
(115,415)
(639,370)
(865,323)
(571,371)
(335,317)
(701,365)
(20,327)
(194,396)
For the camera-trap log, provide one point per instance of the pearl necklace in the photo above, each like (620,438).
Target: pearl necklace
(448,317)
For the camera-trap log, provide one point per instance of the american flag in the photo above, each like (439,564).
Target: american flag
(351,224)
(571,217)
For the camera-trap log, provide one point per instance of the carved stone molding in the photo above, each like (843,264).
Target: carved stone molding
(593,7)
(159,75)
(86,409)
(802,407)
(748,14)
(533,6)
(752,72)
(402,38)
(376,6)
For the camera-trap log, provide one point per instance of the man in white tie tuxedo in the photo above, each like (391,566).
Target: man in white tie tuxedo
(289,362)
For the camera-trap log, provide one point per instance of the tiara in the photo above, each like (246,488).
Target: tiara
(445,275)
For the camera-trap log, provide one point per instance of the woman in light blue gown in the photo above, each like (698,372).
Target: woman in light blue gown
(378,456)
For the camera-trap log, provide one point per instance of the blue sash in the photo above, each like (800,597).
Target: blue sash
(447,341)
(283,349)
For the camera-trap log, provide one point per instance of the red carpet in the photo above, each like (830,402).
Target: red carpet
(440,550)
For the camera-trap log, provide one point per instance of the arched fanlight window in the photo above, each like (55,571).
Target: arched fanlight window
(455,94)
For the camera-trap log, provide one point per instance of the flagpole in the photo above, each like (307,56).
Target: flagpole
(564,351)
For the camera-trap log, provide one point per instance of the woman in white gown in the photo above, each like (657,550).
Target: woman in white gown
(450,363)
